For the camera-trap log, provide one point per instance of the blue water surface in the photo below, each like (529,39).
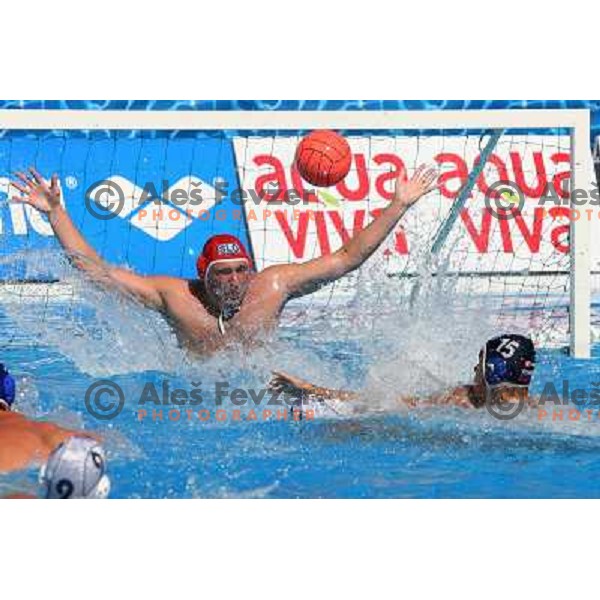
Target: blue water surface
(423,454)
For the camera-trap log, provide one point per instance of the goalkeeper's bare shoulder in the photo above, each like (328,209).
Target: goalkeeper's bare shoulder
(229,302)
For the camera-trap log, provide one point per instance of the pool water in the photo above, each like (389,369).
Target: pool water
(424,453)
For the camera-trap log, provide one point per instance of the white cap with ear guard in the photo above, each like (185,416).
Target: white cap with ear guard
(76,469)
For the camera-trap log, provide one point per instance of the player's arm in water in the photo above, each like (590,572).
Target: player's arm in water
(501,376)
(304,278)
(46,199)
(296,387)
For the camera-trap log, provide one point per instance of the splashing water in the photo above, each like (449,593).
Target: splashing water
(396,347)
(102,332)
(379,342)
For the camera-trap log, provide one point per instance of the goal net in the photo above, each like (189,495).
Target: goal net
(498,239)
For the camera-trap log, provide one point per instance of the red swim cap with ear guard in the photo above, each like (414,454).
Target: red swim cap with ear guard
(219,248)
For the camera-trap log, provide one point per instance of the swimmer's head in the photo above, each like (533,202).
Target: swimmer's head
(76,469)
(505,362)
(7,389)
(225,267)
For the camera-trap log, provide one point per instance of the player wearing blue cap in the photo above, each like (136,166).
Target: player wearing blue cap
(502,377)
(7,389)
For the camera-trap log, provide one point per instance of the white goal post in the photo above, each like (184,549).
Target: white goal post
(576,121)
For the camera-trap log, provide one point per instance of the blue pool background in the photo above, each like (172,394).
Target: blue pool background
(446,454)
